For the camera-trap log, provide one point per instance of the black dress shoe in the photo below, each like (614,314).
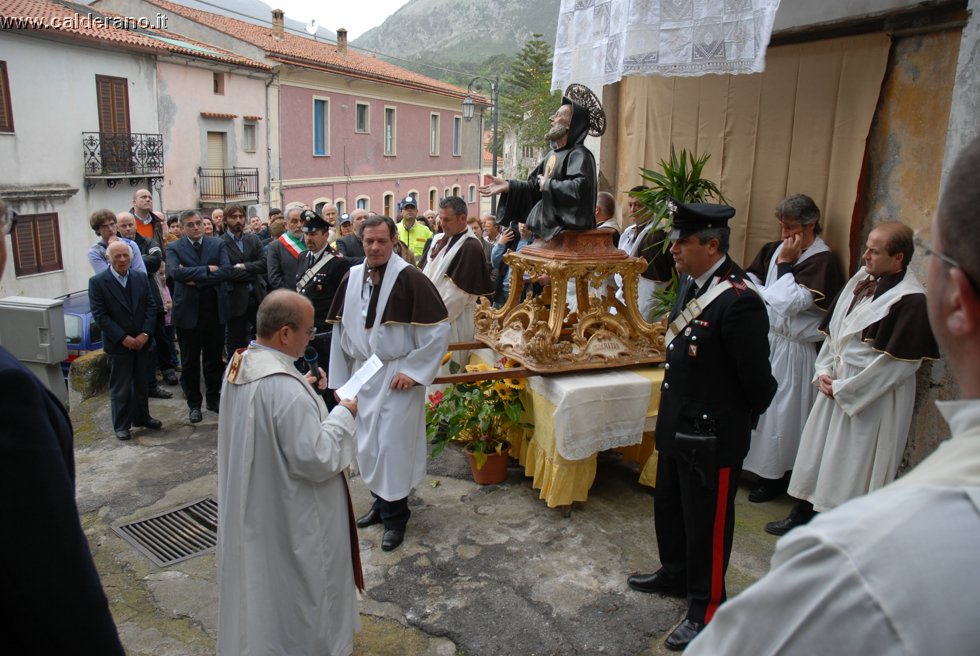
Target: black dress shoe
(155,424)
(212,406)
(170,378)
(370,518)
(785,525)
(159,393)
(391,539)
(660,582)
(765,492)
(195,415)
(682,636)
(123,435)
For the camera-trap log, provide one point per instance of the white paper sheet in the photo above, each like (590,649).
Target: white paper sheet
(350,389)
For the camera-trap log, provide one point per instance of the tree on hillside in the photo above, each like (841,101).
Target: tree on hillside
(525,97)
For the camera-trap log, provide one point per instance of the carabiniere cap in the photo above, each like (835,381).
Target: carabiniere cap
(689,218)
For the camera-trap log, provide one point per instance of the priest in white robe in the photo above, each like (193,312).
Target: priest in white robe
(877,337)
(288,559)
(797,277)
(388,308)
(457,266)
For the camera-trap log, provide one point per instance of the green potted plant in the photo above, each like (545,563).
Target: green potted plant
(679,177)
(481,415)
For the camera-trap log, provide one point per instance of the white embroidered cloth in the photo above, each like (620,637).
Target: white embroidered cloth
(601,41)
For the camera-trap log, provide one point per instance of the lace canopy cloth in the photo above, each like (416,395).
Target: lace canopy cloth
(601,41)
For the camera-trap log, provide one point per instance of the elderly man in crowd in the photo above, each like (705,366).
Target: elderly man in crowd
(283,253)
(877,337)
(350,245)
(125,310)
(388,308)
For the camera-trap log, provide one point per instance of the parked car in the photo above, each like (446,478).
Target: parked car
(81,332)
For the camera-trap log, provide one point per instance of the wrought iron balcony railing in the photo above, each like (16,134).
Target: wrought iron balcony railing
(228,185)
(110,154)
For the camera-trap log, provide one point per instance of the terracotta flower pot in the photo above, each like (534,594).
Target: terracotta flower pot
(494,470)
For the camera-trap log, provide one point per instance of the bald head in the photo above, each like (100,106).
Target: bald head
(285,322)
(119,256)
(605,206)
(898,239)
(126,225)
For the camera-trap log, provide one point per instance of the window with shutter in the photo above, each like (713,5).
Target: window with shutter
(6,111)
(36,243)
(114,140)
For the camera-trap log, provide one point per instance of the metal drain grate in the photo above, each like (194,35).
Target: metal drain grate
(175,535)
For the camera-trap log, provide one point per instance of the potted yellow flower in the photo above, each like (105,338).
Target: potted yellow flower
(480,415)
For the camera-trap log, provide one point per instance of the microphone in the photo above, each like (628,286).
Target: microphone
(311,361)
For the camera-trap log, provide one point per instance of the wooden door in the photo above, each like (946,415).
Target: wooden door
(114,130)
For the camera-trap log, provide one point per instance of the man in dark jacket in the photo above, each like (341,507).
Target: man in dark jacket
(51,600)
(199,267)
(124,308)
(717,383)
(152,257)
(246,279)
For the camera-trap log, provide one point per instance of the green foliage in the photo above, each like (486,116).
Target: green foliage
(525,96)
(679,177)
(481,415)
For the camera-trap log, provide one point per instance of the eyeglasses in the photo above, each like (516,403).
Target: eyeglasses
(7,222)
(311,333)
(922,241)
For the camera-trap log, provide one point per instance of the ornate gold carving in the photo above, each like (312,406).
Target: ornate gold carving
(541,332)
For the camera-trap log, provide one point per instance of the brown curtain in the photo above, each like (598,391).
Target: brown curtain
(799,127)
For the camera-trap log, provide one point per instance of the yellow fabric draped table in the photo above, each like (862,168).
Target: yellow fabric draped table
(576,416)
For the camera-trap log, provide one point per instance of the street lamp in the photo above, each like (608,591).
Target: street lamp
(468,107)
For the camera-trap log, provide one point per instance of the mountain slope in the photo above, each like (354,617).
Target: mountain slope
(461,31)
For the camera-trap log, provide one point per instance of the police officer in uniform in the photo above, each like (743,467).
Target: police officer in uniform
(320,270)
(716,385)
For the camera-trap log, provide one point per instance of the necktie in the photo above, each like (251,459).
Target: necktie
(310,259)
(197,247)
(864,289)
(437,247)
(692,291)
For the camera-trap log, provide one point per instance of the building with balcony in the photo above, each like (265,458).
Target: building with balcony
(87,120)
(343,127)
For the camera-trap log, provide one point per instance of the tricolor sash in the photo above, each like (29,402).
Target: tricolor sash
(293,245)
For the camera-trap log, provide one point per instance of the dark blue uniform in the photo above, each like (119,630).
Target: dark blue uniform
(717,382)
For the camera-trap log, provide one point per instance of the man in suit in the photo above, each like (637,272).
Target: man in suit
(51,600)
(350,246)
(199,267)
(246,280)
(152,258)
(126,312)
(282,256)
(716,385)
(320,271)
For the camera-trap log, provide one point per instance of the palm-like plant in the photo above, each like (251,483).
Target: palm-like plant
(680,177)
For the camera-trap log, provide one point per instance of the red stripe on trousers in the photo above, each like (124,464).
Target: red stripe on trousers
(718,544)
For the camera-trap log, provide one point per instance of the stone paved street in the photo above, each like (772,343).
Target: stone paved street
(483,570)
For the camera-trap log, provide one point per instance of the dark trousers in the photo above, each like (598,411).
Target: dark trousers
(166,355)
(394,514)
(128,387)
(240,330)
(694,531)
(204,342)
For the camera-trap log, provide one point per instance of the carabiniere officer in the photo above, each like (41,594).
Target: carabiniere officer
(320,270)
(716,385)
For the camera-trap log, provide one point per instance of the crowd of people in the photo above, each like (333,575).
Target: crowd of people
(783,369)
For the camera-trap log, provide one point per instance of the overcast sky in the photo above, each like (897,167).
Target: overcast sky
(358,16)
